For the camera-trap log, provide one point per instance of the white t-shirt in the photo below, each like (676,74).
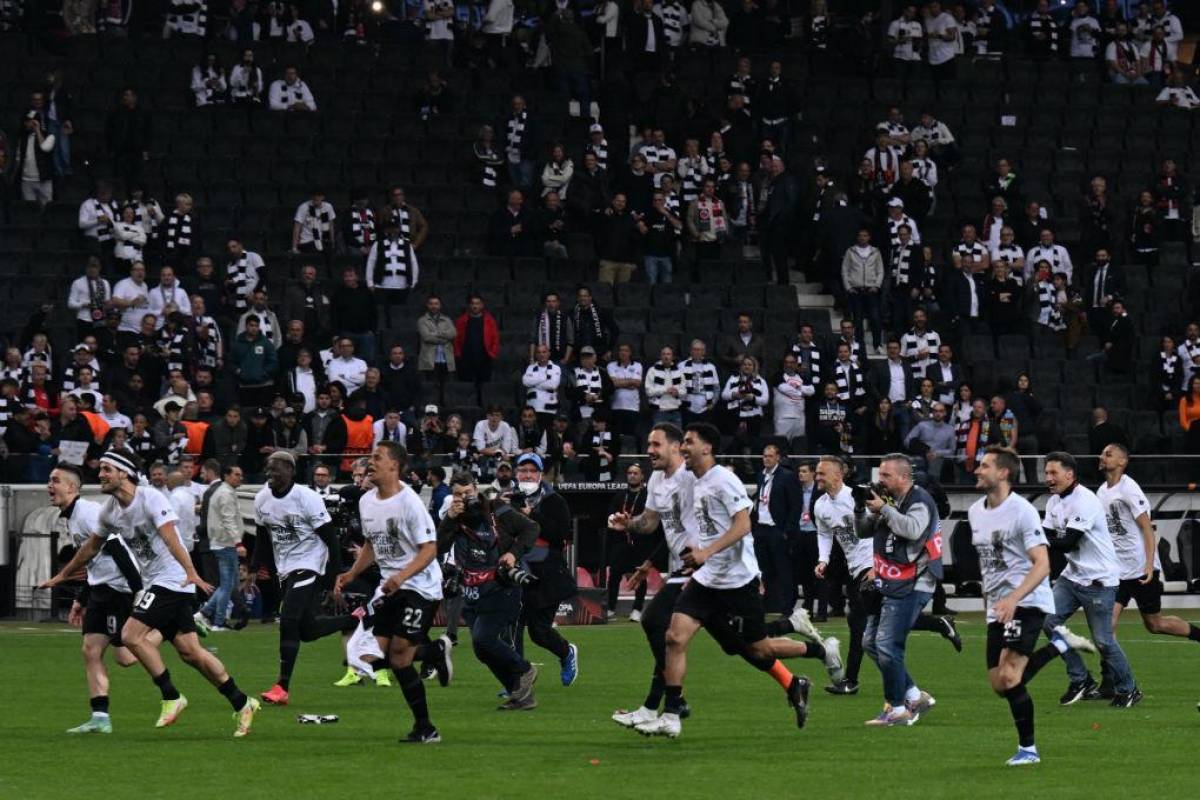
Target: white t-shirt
(138,524)
(908,48)
(671,497)
(351,372)
(131,317)
(292,522)
(1095,559)
(397,527)
(1181,96)
(83,524)
(716,498)
(1003,536)
(1123,504)
(941,51)
(1085,37)
(438,28)
(625,399)
(184,502)
(834,516)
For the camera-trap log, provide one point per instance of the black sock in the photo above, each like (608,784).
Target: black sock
(235,696)
(422,652)
(377,664)
(1021,706)
(780,627)
(414,693)
(814,650)
(100,704)
(1193,633)
(288,651)
(674,699)
(1040,658)
(655,696)
(163,682)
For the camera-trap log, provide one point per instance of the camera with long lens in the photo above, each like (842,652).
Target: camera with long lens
(863,491)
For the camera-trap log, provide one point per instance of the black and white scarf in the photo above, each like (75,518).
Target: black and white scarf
(32,357)
(319,222)
(393,259)
(590,382)
(362,227)
(600,151)
(674,18)
(401,217)
(1048,312)
(142,445)
(1170,372)
(818,32)
(175,346)
(714,159)
(210,95)
(244,282)
(902,264)
(551,331)
(488,160)
(692,171)
(8,407)
(599,440)
(1045,25)
(809,356)
(970,253)
(177,231)
(104,231)
(514,133)
(849,381)
(1009,254)
(19,374)
(671,201)
(588,319)
(70,374)
(701,382)
(894,229)
(741,85)
(913,341)
(544,401)
(1052,255)
(208,350)
(746,407)
(188,17)
(923,168)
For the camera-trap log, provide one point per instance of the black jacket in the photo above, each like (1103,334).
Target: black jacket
(402,387)
(352,310)
(780,211)
(1113,284)
(128,131)
(503,242)
(619,237)
(786,501)
(958,294)
(1121,335)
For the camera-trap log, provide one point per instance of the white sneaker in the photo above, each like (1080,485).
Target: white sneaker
(631,719)
(667,725)
(635,616)
(802,625)
(920,707)
(833,660)
(218,629)
(1073,640)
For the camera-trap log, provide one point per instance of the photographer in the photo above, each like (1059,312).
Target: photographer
(903,521)
(554,582)
(488,541)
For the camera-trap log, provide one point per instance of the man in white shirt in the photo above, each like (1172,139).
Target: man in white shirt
(1047,250)
(1177,93)
(313,228)
(904,35)
(168,296)
(1166,20)
(351,372)
(542,380)
(243,273)
(1085,34)
(494,439)
(942,33)
(88,297)
(1076,525)
(97,215)
(291,94)
(110,412)
(132,296)
(626,402)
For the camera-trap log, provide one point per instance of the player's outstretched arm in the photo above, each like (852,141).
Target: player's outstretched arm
(86,552)
(643,524)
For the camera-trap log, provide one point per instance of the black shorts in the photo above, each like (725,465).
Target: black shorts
(405,614)
(301,595)
(106,612)
(168,612)
(734,617)
(1147,595)
(1019,635)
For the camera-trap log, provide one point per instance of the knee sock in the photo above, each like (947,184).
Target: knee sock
(1040,658)
(100,705)
(414,693)
(288,651)
(674,699)
(781,674)
(655,695)
(779,627)
(814,650)
(163,682)
(1021,706)
(1193,633)
(320,627)
(926,622)
(235,696)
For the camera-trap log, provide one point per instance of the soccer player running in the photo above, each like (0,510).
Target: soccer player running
(400,537)
(1014,558)
(722,595)
(144,518)
(300,531)
(106,600)
(1076,525)
(1129,523)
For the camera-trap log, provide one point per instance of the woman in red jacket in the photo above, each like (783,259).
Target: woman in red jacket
(477,344)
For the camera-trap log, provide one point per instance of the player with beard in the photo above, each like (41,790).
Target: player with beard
(1014,558)
(295,525)
(142,516)
(400,537)
(105,601)
(722,595)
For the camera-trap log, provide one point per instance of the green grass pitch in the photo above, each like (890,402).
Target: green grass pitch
(740,742)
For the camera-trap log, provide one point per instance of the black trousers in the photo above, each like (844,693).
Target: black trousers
(857,620)
(804,555)
(656,619)
(624,553)
(539,621)
(775,560)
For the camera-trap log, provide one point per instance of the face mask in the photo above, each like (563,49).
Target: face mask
(529,487)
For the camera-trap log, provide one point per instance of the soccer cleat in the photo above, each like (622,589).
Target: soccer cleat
(1127,699)
(94,725)
(276,695)
(171,709)
(383,678)
(351,678)
(685,710)
(425,735)
(202,626)
(797,696)
(890,717)
(843,686)
(1074,641)
(667,725)
(570,666)
(442,665)
(1023,758)
(802,625)
(833,660)
(631,719)
(950,633)
(428,672)
(218,629)
(245,717)
(1076,690)
(635,616)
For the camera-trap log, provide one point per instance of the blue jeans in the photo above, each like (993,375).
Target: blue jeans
(885,638)
(521,174)
(1097,604)
(493,620)
(62,150)
(658,269)
(864,308)
(227,566)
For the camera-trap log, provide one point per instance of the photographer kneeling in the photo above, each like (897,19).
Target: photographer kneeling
(903,521)
(489,539)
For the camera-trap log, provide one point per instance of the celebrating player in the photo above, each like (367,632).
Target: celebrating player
(106,600)
(401,539)
(1015,561)
(143,517)
(300,531)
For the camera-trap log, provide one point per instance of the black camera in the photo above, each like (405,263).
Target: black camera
(862,492)
(451,580)
(514,576)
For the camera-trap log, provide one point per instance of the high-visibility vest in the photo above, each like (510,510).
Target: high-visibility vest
(196,431)
(360,436)
(98,424)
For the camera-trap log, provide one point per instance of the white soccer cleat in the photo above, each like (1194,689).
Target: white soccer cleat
(833,660)
(802,625)
(1073,640)
(667,725)
(631,719)
(635,616)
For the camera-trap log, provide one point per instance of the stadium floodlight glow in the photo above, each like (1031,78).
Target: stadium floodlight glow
(377,6)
